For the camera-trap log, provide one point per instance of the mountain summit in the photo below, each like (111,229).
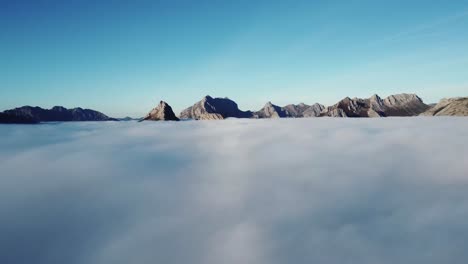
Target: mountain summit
(210,108)
(272,111)
(162,112)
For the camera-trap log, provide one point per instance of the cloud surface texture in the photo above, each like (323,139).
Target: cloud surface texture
(391,190)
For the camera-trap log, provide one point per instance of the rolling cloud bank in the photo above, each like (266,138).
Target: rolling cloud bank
(324,190)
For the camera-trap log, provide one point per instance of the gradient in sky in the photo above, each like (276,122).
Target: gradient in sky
(122,57)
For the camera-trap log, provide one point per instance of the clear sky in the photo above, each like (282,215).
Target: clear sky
(122,57)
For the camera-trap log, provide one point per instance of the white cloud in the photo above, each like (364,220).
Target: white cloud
(389,190)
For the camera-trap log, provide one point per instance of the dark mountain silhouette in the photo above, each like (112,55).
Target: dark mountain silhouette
(56,114)
(9,118)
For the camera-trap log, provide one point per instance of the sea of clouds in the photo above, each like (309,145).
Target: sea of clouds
(338,191)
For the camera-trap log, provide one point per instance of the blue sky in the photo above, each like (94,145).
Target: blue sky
(122,57)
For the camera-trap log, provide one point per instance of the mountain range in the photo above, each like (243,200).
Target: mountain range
(31,115)
(209,108)
(394,105)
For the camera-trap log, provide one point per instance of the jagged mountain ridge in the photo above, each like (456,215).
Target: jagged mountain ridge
(210,108)
(394,105)
(289,111)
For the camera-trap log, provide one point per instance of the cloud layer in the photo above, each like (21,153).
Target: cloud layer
(389,190)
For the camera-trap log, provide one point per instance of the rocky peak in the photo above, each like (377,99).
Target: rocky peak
(376,98)
(313,110)
(404,105)
(59,109)
(268,104)
(376,103)
(271,111)
(207,98)
(162,112)
(355,107)
(222,107)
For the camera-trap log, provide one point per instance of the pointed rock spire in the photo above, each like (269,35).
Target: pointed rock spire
(162,112)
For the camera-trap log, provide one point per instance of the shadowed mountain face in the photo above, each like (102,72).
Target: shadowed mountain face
(449,107)
(394,105)
(163,112)
(9,118)
(56,114)
(214,108)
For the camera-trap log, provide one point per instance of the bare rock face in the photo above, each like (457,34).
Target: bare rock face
(211,116)
(162,112)
(377,104)
(404,105)
(296,110)
(290,111)
(338,112)
(214,108)
(355,107)
(272,111)
(449,107)
(313,110)
(394,105)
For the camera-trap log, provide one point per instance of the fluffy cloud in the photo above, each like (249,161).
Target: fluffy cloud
(389,190)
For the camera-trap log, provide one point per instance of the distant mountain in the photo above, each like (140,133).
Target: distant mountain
(127,118)
(313,110)
(404,105)
(56,114)
(8,118)
(210,108)
(272,111)
(214,108)
(292,111)
(355,107)
(296,110)
(162,112)
(449,107)
(394,105)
